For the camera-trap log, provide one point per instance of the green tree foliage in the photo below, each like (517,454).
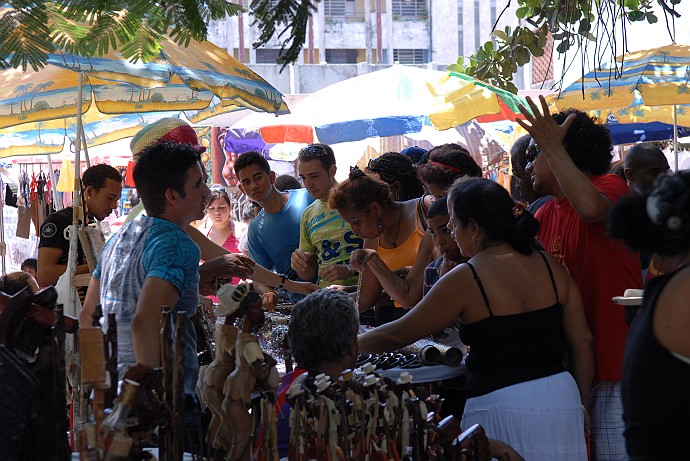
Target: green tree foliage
(574,24)
(30,30)
(291,16)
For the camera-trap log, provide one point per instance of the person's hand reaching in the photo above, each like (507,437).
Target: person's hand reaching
(360,258)
(223,267)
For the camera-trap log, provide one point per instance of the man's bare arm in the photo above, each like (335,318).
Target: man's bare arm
(146,321)
(49,271)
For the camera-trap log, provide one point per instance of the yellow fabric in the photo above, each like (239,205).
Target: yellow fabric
(66,181)
(403,255)
(458,102)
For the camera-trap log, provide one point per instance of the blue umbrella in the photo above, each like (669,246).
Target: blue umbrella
(629,133)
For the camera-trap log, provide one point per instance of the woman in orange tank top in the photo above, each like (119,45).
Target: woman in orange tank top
(394,237)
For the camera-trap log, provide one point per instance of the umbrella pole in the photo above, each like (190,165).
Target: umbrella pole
(2,224)
(71,309)
(54,183)
(86,150)
(76,199)
(675,136)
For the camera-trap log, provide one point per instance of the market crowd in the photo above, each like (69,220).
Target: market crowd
(418,244)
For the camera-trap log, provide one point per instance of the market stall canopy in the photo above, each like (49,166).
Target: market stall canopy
(49,137)
(393,101)
(641,87)
(202,80)
(629,133)
(637,87)
(201,77)
(481,140)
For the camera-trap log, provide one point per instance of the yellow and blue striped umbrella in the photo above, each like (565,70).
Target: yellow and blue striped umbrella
(638,87)
(202,80)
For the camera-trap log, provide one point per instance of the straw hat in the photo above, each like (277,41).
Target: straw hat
(165,129)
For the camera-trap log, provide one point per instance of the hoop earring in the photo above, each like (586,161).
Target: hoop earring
(379,222)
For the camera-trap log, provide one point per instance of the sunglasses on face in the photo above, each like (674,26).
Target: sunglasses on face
(314,150)
(533,152)
(217,188)
(374,165)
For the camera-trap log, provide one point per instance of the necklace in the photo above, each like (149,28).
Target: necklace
(397,231)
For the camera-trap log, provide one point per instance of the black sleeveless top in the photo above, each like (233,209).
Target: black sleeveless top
(655,388)
(511,349)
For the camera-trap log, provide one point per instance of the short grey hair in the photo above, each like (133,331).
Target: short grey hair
(323,326)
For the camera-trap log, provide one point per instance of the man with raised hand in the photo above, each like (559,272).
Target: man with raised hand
(569,158)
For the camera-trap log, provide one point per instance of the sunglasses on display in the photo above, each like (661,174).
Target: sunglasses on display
(533,152)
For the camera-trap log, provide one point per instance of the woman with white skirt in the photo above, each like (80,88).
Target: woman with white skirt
(517,306)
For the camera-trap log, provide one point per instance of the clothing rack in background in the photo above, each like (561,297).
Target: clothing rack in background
(52,172)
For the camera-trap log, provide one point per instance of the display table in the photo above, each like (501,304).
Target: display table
(426,373)
(153,451)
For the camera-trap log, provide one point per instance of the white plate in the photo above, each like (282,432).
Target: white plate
(628,300)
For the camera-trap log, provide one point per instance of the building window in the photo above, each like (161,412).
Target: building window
(267,55)
(408,56)
(341,56)
(339,8)
(409,9)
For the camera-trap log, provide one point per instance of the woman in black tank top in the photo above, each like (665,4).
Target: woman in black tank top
(516,306)
(656,365)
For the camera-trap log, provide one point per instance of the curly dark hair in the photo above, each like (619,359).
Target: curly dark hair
(359,191)
(491,206)
(323,328)
(518,152)
(658,222)
(392,167)
(588,142)
(447,163)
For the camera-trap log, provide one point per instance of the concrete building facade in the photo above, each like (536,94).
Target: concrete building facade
(348,37)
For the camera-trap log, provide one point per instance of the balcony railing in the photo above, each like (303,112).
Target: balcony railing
(339,8)
(409,9)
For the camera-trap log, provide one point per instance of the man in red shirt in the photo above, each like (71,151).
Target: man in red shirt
(569,157)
